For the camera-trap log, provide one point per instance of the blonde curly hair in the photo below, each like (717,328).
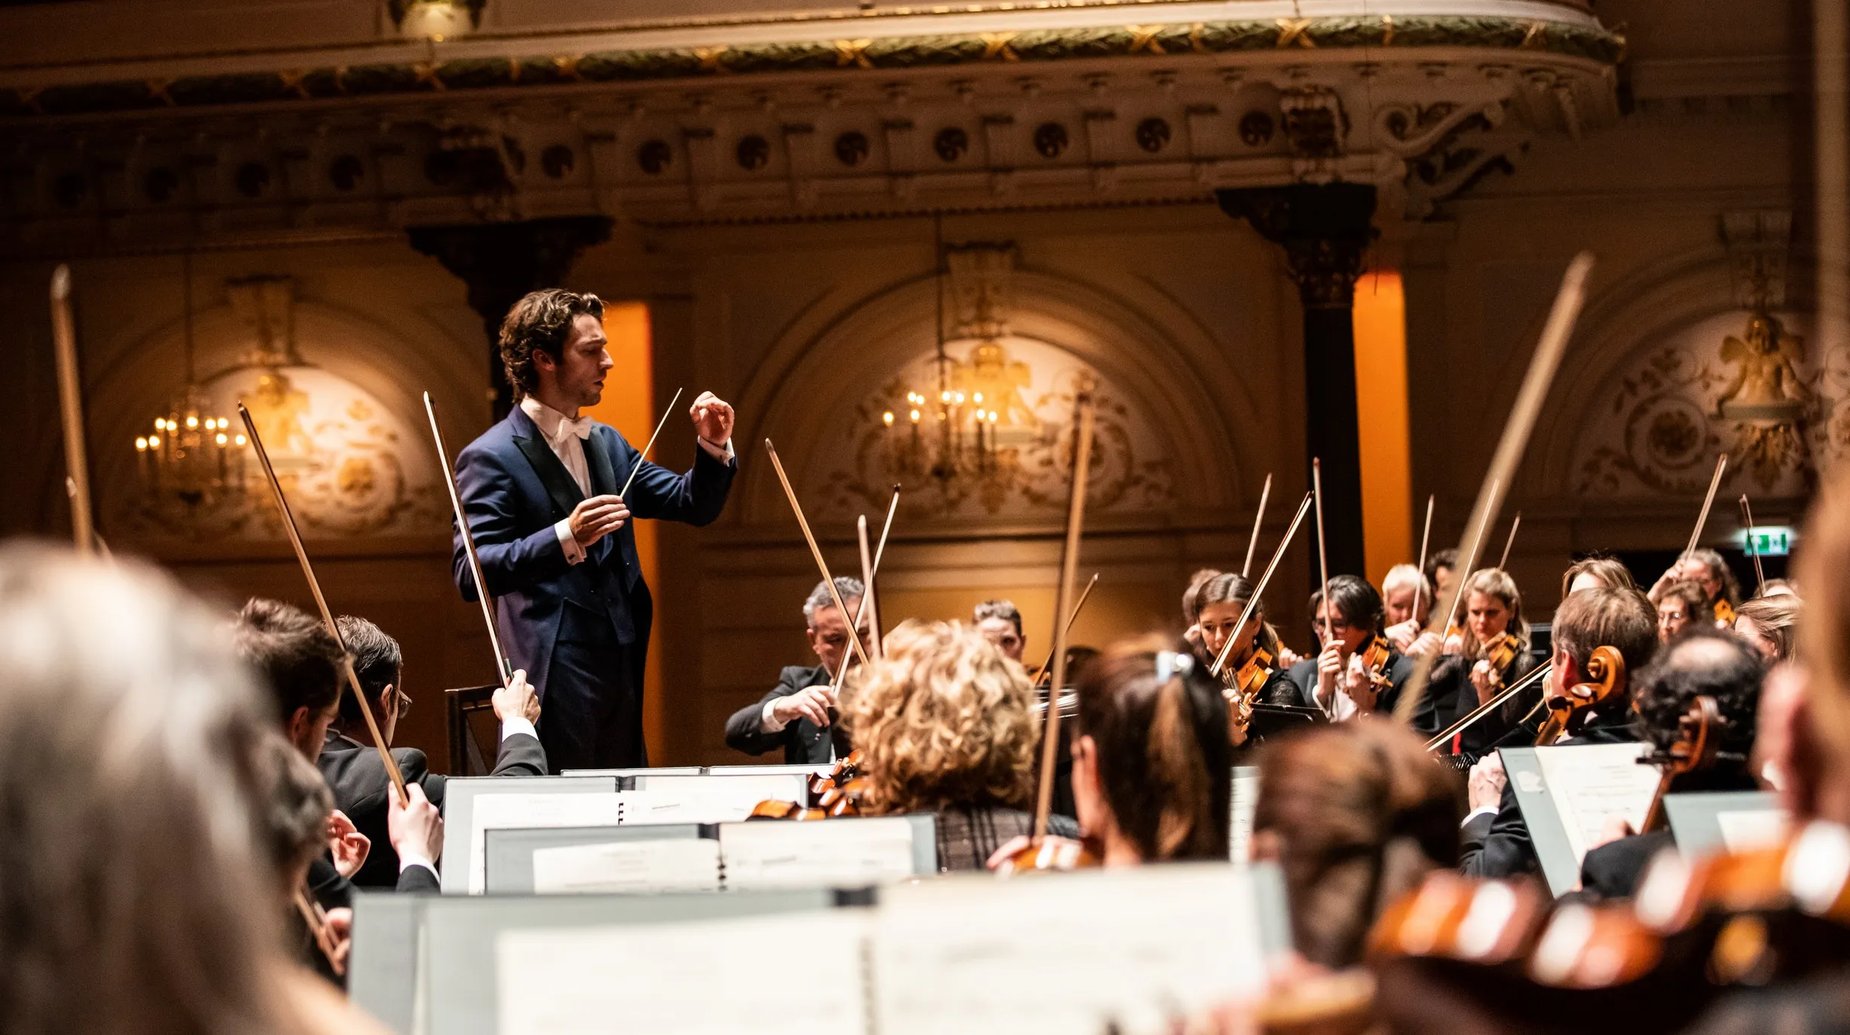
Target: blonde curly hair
(945,719)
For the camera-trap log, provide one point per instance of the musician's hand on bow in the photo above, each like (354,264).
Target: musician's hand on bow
(811,702)
(1329,669)
(348,846)
(712,419)
(1484,681)
(597,517)
(1454,644)
(1485,788)
(1422,645)
(517,699)
(1061,853)
(340,937)
(416,827)
(1287,657)
(1359,688)
(1402,635)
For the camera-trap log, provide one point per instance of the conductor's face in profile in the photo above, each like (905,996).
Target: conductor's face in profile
(575,379)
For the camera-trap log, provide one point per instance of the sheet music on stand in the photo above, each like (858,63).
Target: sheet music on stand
(1074,952)
(461,834)
(1567,794)
(839,852)
(530,812)
(1242,800)
(628,867)
(1705,822)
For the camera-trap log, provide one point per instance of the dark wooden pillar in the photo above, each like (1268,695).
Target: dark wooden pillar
(500,262)
(1324,231)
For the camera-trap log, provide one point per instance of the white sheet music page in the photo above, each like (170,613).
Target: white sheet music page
(1064,953)
(1243,800)
(698,977)
(532,811)
(690,804)
(1744,830)
(628,867)
(829,853)
(1590,783)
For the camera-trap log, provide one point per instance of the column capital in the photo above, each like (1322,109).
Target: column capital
(1324,229)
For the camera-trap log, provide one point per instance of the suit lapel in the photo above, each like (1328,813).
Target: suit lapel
(552,473)
(602,464)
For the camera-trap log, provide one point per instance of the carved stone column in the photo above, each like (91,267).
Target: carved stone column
(500,262)
(1324,230)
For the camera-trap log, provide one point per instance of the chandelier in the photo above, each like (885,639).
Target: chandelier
(192,455)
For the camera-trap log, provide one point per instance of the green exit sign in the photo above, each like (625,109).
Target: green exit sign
(1768,540)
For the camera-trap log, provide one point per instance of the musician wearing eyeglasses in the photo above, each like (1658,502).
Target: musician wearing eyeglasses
(1338,681)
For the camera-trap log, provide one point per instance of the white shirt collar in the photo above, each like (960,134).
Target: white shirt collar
(552,424)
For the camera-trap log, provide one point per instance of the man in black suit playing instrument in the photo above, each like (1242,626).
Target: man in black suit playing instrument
(799,712)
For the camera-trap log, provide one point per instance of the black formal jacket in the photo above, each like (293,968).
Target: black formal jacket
(357,777)
(1450,697)
(802,740)
(1499,846)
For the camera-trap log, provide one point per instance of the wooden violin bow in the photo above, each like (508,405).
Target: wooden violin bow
(327,617)
(1504,564)
(854,638)
(1445,736)
(1529,398)
(1753,549)
(503,666)
(870,604)
(1323,561)
(1252,603)
(1265,493)
(644,455)
(317,920)
(1425,538)
(1084,416)
(1715,482)
(70,410)
(1041,673)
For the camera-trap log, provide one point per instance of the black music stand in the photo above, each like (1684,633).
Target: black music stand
(462,706)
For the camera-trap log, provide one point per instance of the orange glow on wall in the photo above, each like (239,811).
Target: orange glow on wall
(1381,410)
(629,406)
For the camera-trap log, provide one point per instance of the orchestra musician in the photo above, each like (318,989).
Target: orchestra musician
(1355,814)
(1677,603)
(1000,622)
(300,664)
(1706,568)
(1407,599)
(297,812)
(554,537)
(1218,603)
(1150,758)
(1596,572)
(138,892)
(354,771)
(1335,680)
(946,724)
(1441,571)
(1768,624)
(799,713)
(1495,839)
(1701,662)
(1469,676)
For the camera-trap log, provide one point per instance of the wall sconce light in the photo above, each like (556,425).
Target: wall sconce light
(436,20)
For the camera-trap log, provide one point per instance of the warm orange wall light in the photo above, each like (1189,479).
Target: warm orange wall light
(1381,410)
(629,406)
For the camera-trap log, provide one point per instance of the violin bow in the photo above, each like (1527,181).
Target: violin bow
(1715,482)
(841,675)
(870,605)
(1265,493)
(327,616)
(1529,398)
(503,667)
(1425,538)
(1084,595)
(1252,603)
(854,638)
(1085,413)
(1457,599)
(1535,675)
(1504,564)
(1753,549)
(1323,561)
(644,455)
(70,409)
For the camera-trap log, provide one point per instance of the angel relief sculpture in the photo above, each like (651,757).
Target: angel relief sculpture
(1767,387)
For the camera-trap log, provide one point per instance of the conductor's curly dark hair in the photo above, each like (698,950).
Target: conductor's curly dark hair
(541,320)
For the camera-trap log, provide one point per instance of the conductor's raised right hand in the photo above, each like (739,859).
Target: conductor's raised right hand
(811,702)
(597,517)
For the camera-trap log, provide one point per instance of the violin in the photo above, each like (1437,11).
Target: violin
(1245,683)
(1051,855)
(1697,746)
(1569,708)
(1724,612)
(846,768)
(1375,658)
(1501,653)
(832,795)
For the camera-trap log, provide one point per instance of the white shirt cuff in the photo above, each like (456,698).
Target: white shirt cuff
(407,860)
(724,455)
(1481,810)
(518,724)
(573,552)
(766,724)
